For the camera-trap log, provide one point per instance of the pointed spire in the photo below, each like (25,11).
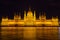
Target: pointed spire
(29,11)
(44,13)
(40,15)
(29,8)
(24,15)
(15,14)
(34,15)
(24,12)
(56,16)
(19,15)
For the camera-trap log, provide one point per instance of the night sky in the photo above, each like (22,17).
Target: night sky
(9,7)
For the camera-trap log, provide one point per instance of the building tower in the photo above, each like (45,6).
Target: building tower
(30,17)
(43,17)
(40,16)
(34,15)
(17,17)
(4,21)
(30,14)
(24,15)
(55,21)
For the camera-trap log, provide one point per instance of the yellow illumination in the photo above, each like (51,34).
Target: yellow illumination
(30,19)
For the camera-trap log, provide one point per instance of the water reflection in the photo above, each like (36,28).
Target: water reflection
(59,33)
(29,33)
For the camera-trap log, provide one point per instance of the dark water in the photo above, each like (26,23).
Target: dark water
(59,33)
(29,33)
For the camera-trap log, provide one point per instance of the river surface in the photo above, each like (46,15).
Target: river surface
(30,33)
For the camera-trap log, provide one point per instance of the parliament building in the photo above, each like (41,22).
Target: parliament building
(30,19)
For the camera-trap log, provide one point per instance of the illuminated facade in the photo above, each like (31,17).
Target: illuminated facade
(30,19)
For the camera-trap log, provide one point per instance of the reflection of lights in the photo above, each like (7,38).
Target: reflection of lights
(31,32)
